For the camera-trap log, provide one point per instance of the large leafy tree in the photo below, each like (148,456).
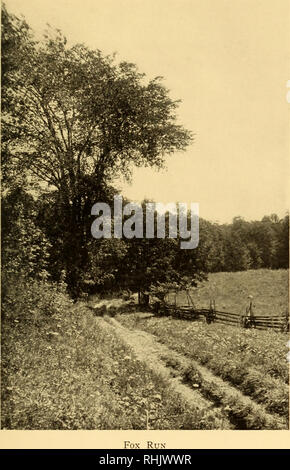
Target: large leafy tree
(75,119)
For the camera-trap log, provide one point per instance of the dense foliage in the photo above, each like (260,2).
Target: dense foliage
(73,121)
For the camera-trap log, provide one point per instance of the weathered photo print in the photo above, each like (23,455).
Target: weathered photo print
(145,223)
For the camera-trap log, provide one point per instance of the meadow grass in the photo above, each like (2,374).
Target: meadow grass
(72,372)
(253,361)
(63,368)
(269,289)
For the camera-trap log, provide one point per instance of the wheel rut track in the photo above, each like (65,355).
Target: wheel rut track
(171,365)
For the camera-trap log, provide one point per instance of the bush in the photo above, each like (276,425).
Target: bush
(33,300)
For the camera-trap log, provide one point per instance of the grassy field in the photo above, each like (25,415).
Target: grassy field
(231,291)
(64,368)
(253,362)
(77,373)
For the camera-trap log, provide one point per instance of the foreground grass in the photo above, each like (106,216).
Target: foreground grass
(252,361)
(71,372)
(269,289)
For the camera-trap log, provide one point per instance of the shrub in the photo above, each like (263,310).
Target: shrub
(33,300)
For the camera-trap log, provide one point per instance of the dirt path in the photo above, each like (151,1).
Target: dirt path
(148,350)
(172,366)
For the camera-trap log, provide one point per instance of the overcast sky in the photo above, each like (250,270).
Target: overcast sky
(228,61)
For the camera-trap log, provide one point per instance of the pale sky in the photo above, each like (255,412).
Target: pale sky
(228,61)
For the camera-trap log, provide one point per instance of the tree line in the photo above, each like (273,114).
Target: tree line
(33,240)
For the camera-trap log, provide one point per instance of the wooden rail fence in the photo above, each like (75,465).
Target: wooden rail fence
(248,320)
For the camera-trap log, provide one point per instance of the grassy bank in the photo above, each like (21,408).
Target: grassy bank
(70,371)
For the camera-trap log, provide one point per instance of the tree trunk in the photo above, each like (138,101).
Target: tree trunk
(144,299)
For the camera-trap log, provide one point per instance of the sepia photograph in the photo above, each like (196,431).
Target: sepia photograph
(145,215)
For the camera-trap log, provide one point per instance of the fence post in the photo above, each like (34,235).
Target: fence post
(286,325)
(242,321)
(211,314)
(249,319)
(175,304)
